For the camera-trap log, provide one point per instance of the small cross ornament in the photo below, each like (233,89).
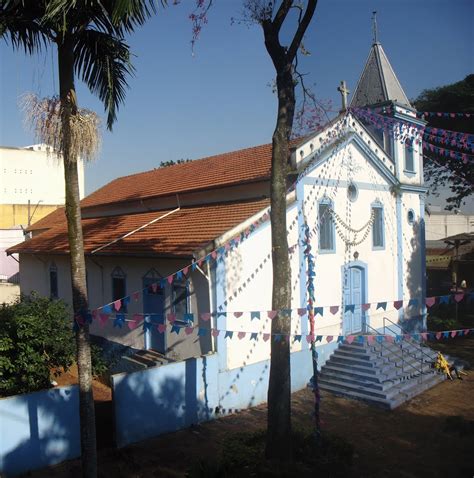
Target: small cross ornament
(344,94)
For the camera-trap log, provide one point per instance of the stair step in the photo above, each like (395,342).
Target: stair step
(378,373)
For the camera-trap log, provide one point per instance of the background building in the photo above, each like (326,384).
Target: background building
(31,187)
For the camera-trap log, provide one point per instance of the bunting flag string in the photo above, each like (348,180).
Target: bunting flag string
(187,329)
(316,310)
(439,114)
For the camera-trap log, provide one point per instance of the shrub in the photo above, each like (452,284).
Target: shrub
(35,337)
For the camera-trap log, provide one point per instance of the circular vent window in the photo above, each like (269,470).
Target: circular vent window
(352,192)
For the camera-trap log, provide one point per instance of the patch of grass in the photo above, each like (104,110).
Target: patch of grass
(245,453)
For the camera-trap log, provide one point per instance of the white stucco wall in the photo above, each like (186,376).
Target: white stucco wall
(32,174)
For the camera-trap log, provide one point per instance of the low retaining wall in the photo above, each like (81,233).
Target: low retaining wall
(175,396)
(39,429)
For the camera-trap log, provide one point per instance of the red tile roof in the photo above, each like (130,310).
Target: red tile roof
(246,165)
(179,234)
(54,218)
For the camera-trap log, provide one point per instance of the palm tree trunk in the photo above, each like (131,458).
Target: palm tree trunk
(279,388)
(78,268)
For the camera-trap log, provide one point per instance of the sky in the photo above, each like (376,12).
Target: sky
(220,99)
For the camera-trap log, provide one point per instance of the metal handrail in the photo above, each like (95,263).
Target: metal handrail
(405,332)
(402,357)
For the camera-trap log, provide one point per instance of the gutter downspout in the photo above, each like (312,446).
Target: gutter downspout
(137,229)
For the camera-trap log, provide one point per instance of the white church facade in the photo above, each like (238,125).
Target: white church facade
(179,258)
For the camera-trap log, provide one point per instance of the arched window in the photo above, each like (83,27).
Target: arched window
(378,236)
(53,281)
(326,226)
(409,156)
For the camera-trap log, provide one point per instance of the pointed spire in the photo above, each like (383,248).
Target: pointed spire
(378,82)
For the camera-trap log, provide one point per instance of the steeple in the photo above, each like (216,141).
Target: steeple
(378,82)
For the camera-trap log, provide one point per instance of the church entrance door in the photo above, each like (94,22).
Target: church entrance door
(354,295)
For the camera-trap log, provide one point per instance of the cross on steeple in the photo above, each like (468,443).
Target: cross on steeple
(344,94)
(374,25)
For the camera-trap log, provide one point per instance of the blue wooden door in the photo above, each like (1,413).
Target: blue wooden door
(353,295)
(153,311)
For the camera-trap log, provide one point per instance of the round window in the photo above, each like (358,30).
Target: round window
(352,192)
(411,216)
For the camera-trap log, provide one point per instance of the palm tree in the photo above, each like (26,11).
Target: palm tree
(89,38)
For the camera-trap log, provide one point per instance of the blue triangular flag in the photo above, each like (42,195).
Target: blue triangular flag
(382,305)
(360,339)
(119,320)
(254,315)
(297,338)
(229,333)
(277,337)
(188,317)
(126,300)
(319,338)
(413,302)
(445,335)
(107,309)
(379,338)
(349,308)
(340,339)
(319,310)
(253,336)
(176,328)
(444,299)
(202,332)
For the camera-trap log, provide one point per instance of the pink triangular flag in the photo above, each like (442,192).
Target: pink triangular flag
(170,279)
(189,330)
(430,301)
(398,304)
(350,339)
(117,305)
(154,288)
(215,332)
(95,314)
(214,254)
(459,297)
(266,337)
(301,311)
(161,328)
(438,335)
(329,338)
(205,316)
(365,307)
(334,309)
(238,314)
(241,335)
(424,336)
(370,339)
(466,331)
(103,318)
(136,296)
(171,318)
(272,314)
(389,338)
(309,338)
(453,333)
(186,270)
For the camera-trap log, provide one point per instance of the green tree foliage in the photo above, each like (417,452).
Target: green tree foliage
(35,338)
(165,164)
(443,172)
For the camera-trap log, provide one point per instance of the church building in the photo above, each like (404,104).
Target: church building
(179,258)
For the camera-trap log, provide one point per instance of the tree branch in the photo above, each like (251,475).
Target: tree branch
(302,26)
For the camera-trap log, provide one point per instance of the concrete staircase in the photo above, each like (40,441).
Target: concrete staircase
(386,374)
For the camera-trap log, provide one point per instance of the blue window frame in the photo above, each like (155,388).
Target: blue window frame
(180,301)
(53,281)
(409,156)
(326,227)
(378,236)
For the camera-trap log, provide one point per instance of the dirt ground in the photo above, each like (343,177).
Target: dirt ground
(431,435)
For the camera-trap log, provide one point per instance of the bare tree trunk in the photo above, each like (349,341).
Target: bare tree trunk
(78,268)
(279,388)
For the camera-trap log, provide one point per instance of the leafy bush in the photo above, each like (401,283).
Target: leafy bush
(35,337)
(436,323)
